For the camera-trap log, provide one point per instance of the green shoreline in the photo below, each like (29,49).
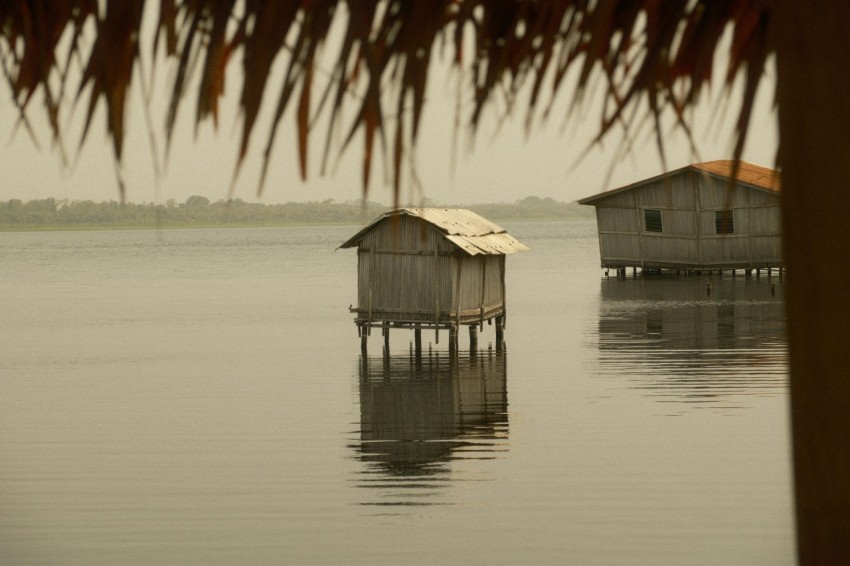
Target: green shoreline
(96,227)
(198,212)
(111,227)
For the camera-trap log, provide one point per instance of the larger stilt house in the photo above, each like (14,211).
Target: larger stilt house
(695,218)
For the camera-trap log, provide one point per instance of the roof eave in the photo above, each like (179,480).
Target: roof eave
(693,167)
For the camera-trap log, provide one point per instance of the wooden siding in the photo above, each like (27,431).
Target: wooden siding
(688,202)
(409,272)
(473,272)
(625,200)
(765,221)
(620,247)
(716,194)
(660,249)
(678,222)
(618,220)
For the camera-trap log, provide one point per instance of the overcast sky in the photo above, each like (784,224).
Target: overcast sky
(503,166)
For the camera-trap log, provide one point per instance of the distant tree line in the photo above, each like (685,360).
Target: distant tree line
(199,211)
(534,208)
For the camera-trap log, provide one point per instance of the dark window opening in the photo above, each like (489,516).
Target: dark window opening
(724,222)
(652,219)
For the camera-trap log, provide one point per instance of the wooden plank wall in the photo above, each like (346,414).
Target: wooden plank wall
(407,271)
(476,269)
(688,203)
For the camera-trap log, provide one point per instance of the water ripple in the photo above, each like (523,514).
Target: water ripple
(677,340)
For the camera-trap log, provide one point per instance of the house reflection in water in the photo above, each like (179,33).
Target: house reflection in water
(420,417)
(695,339)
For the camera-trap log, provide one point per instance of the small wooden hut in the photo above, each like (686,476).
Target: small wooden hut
(696,218)
(431,268)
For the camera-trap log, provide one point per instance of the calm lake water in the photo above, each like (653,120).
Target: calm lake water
(199,397)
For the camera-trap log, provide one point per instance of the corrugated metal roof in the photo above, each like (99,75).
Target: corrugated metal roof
(750,174)
(464,228)
(456,221)
(493,244)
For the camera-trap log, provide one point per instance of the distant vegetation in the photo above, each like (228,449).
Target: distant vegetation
(198,211)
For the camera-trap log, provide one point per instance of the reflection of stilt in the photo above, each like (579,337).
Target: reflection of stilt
(473,337)
(364,366)
(418,416)
(500,332)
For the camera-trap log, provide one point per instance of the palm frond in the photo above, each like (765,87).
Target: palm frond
(657,54)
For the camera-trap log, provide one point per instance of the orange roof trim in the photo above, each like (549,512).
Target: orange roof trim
(757,176)
(748,173)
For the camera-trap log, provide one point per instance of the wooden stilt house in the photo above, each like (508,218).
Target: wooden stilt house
(696,218)
(431,268)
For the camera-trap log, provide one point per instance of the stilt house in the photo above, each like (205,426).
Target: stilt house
(431,268)
(694,218)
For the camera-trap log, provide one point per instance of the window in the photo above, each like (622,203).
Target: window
(724,222)
(652,219)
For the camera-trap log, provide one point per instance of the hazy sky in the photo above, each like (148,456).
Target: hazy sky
(504,165)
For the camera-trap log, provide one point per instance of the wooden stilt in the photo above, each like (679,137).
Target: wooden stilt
(473,337)
(748,272)
(363,337)
(417,339)
(453,339)
(500,332)
(386,332)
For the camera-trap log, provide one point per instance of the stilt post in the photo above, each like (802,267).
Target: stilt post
(453,339)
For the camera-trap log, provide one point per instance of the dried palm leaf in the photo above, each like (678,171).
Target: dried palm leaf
(650,52)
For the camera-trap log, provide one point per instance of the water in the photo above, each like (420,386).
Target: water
(198,397)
